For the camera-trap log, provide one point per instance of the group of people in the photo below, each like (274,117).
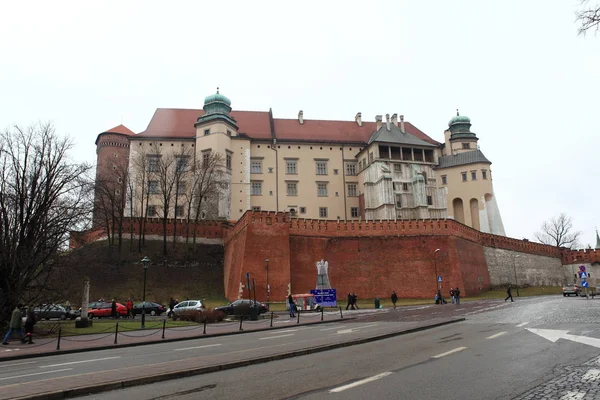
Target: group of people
(352,301)
(454,296)
(16,325)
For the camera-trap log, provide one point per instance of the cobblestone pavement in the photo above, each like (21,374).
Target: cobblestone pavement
(576,382)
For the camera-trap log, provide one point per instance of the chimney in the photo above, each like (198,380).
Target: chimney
(395,119)
(301,117)
(387,122)
(378,120)
(358,118)
(402,124)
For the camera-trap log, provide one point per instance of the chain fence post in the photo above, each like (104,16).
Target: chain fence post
(164,326)
(241,319)
(298,321)
(58,342)
(341,316)
(204,332)
(116,332)
(322,309)
(271,319)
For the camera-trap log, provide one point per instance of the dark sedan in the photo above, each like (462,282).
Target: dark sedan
(242,307)
(151,308)
(51,311)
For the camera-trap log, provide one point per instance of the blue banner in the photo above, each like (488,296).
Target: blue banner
(325,297)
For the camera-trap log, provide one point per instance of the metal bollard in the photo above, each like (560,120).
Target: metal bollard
(271,319)
(298,317)
(204,331)
(341,316)
(241,319)
(116,332)
(322,309)
(58,342)
(164,326)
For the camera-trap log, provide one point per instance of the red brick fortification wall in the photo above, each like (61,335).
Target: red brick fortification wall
(265,235)
(374,266)
(588,256)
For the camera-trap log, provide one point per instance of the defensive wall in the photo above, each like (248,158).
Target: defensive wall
(372,258)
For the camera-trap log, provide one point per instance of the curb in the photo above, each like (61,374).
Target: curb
(103,387)
(157,341)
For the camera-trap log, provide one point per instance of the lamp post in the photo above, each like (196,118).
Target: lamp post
(145,262)
(268,287)
(437,284)
(515,270)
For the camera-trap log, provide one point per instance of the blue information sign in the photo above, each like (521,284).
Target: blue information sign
(582,275)
(584,283)
(439,278)
(325,297)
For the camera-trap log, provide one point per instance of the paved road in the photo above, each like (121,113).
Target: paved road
(497,353)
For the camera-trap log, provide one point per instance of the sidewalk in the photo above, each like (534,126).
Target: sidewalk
(127,338)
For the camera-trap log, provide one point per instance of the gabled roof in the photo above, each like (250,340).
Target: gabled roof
(179,123)
(122,129)
(468,157)
(396,136)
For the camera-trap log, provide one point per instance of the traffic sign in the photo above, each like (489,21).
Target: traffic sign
(582,275)
(584,283)
(439,278)
(582,268)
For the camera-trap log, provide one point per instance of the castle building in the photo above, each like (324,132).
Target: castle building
(316,169)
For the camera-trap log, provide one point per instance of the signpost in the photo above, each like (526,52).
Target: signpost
(583,275)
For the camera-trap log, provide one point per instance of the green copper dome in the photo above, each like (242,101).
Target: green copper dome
(217,98)
(459,119)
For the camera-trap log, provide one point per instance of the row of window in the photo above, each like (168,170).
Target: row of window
(464,176)
(154,188)
(323,211)
(292,189)
(291,167)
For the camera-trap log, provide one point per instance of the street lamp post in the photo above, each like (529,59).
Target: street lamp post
(145,262)
(268,287)
(437,284)
(515,270)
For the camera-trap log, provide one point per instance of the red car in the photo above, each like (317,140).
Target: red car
(105,309)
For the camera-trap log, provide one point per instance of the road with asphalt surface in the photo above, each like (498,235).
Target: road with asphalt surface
(536,348)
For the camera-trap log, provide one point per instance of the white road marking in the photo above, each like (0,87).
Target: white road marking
(344,331)
(79,362)
(496,335)
(522,324)
(198,347)
(37,373)
(286,331)
(14,365)
(330,329)
(456,350)
(591,375)
(276,337)
(358,383)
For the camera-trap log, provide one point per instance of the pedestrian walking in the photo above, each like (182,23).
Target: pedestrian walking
(394,299)
(29,323)
(509,293)
(172,304)
(292,306)
(349,302)
(16,323)
(113,309)
(452,295)
(457,296)
(354,301)
(129,306)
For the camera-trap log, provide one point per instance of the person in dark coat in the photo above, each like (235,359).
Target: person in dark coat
(509,293)
(16,325)
(350,301)
(457,296)
(29,323)
(394,299)
(440,297)
(113,309)
(292,306)
(172,304)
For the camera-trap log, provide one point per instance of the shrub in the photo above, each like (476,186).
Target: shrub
(200,316)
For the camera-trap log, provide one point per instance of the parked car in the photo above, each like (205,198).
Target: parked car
(242,307)
(189,305)
(51,311)
(105,310)
(151,308)
(570,289)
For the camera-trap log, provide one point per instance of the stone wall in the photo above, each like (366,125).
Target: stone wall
(531,269)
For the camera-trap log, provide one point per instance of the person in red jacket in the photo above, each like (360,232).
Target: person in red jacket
(129,306)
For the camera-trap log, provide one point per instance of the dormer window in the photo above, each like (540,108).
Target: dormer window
(206,132)
(466,145)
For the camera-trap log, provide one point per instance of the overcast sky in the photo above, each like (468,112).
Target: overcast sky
(517,68)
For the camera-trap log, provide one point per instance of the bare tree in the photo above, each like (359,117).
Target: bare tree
(166,178)
(589,17)
(43,196)
(182,172)
(139,189)
(110,201)
(558,232)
